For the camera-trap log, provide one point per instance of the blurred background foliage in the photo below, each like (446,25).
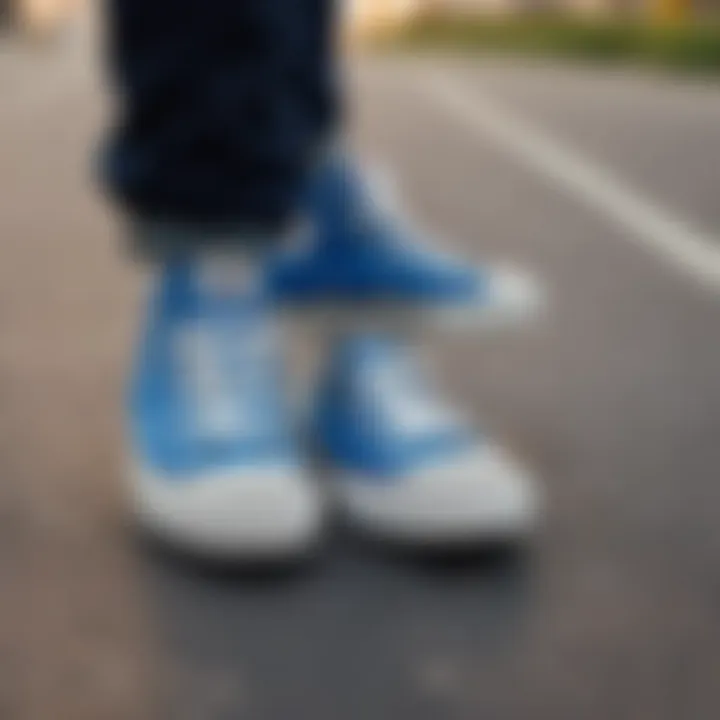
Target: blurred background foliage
(680,34)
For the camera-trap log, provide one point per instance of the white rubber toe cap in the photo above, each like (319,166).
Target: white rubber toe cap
(514,292)
(513,297)
(249,513)
(483,495)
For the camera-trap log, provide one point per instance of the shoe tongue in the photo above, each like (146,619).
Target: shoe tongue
(227,277)
(402,394)
(215,285)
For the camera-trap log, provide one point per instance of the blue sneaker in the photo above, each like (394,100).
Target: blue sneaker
(357,252)
(213,467)
(408,469)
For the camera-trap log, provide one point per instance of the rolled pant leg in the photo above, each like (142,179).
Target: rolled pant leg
(223,105)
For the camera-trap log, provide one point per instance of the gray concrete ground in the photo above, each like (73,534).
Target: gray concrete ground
(614,400)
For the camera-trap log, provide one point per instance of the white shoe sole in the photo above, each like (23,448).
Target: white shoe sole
(482,497)
(260,514)
(517,300)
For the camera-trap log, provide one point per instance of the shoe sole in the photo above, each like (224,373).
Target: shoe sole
(270,515)
(446,507)
(402,316)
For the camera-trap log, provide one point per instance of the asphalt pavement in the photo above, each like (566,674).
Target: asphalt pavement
(605,184)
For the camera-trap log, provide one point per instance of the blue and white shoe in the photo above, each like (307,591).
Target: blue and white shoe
(408,469)
(213,468)
(356,252)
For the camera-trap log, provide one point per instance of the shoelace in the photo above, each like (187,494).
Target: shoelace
(406,401)
(224,375)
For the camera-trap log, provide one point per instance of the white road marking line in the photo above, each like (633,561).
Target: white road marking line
(673,238)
